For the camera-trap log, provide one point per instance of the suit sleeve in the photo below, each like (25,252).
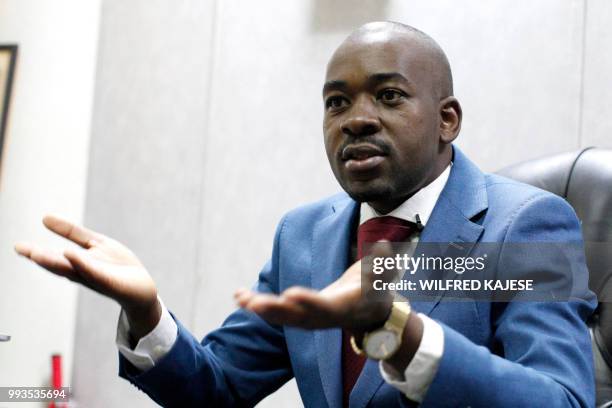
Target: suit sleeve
(542,354)
(236,365)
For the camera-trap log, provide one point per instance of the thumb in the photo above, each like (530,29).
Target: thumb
(382,248)
(91,274)
(379,265)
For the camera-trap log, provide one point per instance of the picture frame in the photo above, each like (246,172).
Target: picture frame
(8,58)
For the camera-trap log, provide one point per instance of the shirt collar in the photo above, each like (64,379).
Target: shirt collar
(421,203)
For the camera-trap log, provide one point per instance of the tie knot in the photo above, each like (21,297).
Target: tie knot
(386,228)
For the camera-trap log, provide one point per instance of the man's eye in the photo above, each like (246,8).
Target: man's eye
(335,102)
(391,95)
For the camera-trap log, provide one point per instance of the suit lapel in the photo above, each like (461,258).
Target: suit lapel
(450,224)
(455,236)
(367,384)
(331,247)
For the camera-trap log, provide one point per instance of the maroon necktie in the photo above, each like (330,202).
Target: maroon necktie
(381,228)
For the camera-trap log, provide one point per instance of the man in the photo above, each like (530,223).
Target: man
(390,120)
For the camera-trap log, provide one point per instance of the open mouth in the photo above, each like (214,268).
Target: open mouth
(363,157)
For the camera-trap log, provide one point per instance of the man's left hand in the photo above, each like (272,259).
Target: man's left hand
(341,304)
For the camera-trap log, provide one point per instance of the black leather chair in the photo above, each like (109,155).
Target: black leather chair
(584,179)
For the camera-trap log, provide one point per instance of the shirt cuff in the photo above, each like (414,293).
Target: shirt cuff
(152,347)
(423,367)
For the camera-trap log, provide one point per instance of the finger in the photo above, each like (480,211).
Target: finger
(296,306)
(47,259)
(307,308)
(259,302)
(23,249)
(253,301)
(274,309)
(71,231)
(283,314)
(323,309)
(242,296)
(309,299)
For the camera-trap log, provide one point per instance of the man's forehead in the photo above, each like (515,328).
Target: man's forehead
(376,53)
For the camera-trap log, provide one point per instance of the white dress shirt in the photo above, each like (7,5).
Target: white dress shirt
(422,368)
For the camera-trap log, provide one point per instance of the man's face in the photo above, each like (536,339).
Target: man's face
(381,123)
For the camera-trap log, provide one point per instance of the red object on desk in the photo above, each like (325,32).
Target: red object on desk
(56,375)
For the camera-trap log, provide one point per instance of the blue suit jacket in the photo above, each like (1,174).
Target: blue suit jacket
(523,354)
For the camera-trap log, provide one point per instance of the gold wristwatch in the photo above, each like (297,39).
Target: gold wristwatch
(382,343)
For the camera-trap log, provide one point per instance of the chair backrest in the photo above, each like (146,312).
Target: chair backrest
(584,179)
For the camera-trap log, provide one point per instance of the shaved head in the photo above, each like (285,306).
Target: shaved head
(390,114)
(412,39)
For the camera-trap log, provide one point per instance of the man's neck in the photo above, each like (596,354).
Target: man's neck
(384,207)
(421,203)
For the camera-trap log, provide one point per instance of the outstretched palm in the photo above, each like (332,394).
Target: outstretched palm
(347,302)
(104,265)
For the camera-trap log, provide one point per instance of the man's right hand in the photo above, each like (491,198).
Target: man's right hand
(105,266)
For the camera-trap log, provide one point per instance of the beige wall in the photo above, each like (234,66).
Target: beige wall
(596,108)
(44,167)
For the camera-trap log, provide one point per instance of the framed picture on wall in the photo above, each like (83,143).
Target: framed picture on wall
(8,56)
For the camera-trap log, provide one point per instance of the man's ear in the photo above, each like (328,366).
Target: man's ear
(450,119)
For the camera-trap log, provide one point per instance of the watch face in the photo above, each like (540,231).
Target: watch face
(381,344)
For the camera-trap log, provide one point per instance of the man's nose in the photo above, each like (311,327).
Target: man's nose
(362,119)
